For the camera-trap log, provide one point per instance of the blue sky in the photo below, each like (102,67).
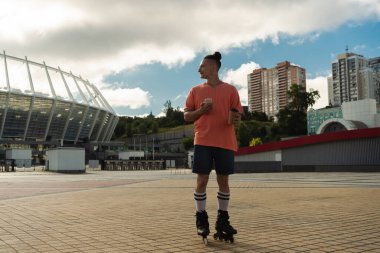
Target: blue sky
(314,53)
(143,53)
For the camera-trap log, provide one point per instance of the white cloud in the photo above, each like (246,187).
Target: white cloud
(132,98)
(238,77)
(359,48)
(319,83)
(35,18)
(95,38)
(138,116)
(178,97)
(161,115)
(302,39)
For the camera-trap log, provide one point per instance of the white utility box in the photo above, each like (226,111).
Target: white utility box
(22,156)
(70,160)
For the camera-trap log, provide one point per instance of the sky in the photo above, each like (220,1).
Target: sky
(142,53)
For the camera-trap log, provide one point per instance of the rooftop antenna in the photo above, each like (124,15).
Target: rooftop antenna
(346,49)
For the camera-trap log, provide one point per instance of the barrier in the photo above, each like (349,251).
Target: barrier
(123,165)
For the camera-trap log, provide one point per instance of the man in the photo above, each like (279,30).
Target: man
(214,107)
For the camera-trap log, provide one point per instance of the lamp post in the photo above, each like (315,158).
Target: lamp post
(134,143)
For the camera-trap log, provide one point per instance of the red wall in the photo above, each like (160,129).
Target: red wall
(312,139)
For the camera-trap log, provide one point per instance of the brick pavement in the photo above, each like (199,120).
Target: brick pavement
(154,212)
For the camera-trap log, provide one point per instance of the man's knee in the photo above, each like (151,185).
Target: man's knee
(223,183)
(202,181)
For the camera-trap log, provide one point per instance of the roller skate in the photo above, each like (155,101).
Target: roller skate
(202,225)
(224,231)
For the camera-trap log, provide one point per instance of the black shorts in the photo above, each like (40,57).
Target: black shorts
(206,158)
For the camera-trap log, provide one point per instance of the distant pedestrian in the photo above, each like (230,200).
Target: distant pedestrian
(214,107)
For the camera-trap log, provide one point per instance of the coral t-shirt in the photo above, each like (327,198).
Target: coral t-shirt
(212,128)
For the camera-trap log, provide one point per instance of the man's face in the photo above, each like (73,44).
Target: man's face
(207,68)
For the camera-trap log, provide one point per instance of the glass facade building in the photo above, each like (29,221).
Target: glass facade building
(42,103)
(315,118)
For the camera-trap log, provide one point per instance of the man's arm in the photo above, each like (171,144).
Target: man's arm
(191,116)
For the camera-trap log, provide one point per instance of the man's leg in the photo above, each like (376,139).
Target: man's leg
(200,192)
(202,181)
(202,224)
(223,193)
(222,225)
(202,167)
(224,161)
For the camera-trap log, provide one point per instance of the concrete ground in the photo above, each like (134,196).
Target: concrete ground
(153,211)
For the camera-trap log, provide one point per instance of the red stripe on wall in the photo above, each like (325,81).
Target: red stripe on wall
(312,139)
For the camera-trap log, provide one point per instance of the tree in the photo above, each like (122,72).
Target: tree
(120,128)
(173,117)
(129,130)
(188,142)
(256,115)
(142,129)
(292,120)
(168,108)
(299,99)
(243,135)
(154,127)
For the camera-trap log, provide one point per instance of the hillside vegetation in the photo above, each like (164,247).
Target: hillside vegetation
(256,128)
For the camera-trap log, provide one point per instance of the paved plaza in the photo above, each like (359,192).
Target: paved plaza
(153,211)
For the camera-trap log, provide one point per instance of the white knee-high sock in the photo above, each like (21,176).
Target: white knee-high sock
(200,201)
(223,200)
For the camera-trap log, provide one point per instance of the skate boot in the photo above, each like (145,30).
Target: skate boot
(203,228)
(224,231)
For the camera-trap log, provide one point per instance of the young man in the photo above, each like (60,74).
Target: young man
(214,107)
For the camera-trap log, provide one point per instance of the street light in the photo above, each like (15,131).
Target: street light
(134,143)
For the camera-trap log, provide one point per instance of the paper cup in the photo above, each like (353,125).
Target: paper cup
(208,100)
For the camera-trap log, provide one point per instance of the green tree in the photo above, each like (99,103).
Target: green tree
(168,110)
(188,142)
(300,99)
(129,130)
(120,128)
(143,129)
(173,117)
(243,135)
(256,115)
(292,120)
(154,127)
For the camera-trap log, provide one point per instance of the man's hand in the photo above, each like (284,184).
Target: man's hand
(205,107)
(191,116)
(237,119)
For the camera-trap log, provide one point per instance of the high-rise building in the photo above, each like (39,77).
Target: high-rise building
(267,88)
(330,90)
(354,77)
(374,63)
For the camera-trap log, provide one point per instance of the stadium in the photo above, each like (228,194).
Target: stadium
(43,104)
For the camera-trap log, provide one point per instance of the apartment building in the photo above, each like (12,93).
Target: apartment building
(354,77)
(267,88)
